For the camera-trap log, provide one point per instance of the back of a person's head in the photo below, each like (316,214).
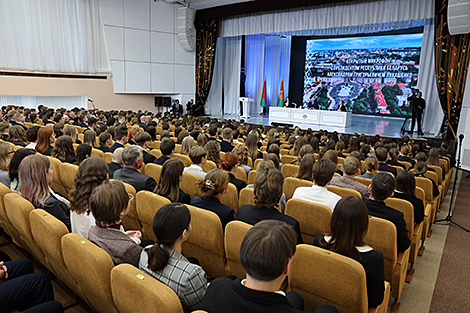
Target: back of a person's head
(406,183)
(242,152)
(268,187)
(187,144)
(381,154)
(131,154)
(16,161)
(121,132)
(32,133)
(91,173)
(351,165)
(83,151)
(264,164)
(32,176)
(167,146)
(421,156)
(103,138)
(169,223)
(266,249)
(117,156)
(215,182)
(141,138)
(228,162)
(421,167)
(168,184)
(349,224)
(274,148)
(196,154)
(382,186)
(227,133)
(371,164)
(107,201)
(306,167)
(44,139)
(212,131)
(323,172)
(331,155)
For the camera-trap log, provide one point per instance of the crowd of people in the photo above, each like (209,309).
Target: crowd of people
(96,205)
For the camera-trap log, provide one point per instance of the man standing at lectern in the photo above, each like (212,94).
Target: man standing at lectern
(418,104)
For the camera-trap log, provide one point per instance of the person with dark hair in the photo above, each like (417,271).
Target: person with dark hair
(213,186)
(406,190)
(164,261)
(370,167)
(109,203)
(121,135)
(381,154)
(152,131)
(268,191)
(14,167)
(212,133)
(349,224)
(198,156)
(306,167)
(227,137)
(17,136)
(229,163)
(265,255)
(132,158)
(351,167)
(323,172)
(105,141)
(381,188)
(169,183)
(167,147)
(63,150)
(421,168)
(32,136)
(144,140)
(84,151)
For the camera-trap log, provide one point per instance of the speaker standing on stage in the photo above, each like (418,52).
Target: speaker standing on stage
(418,105)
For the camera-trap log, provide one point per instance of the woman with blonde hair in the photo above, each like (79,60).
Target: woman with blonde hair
(242,152)
(6,154)
(89,137)
(35,174)
(186,145)
(17,136)
(91,173)
(169,183)
(298,143)
(406,155)
(369,167)
(213,187)
(72,131)
(213,151)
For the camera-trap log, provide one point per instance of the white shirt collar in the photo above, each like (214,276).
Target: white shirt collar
(278,292)
(361,249)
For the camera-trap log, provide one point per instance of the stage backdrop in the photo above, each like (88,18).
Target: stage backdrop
(371,75)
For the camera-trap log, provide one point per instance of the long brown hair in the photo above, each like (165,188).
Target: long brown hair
(268,188)
(44,139)
(306,167)
(63,148)
(32,175)
(406,183)
(169,183)
(252,145)
(349,224)
(298,143)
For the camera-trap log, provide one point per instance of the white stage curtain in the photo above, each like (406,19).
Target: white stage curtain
(55,102)
(433,114)
(328,16)
(72,29)
(254,71)
(226,80)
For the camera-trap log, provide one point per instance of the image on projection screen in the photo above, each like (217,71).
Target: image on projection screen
(371,75)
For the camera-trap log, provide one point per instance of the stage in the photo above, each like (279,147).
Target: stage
(361,124)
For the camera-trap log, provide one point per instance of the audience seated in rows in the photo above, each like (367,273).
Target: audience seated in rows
(132,158)
(420,170)
(121,135)
(351,167)
(167,147)
(381,155)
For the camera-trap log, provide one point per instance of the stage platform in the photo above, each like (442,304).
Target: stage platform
(361,124)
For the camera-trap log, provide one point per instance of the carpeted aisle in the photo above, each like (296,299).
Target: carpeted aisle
(451,293)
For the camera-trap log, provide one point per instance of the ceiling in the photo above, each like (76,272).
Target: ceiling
(205,4)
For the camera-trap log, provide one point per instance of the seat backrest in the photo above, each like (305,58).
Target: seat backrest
(314,218)
(446,163)
(47,233)
(234,233)
(108,157)
(399,168)
(426,184)
(97,153)
(206,241)
(247,196)
(153,170)
(408,213)
(433,176)
(365,181)
(419,192)
(131,220)
(177,146)
(324,277)
(438,171)
(67,176)
(156,153)
(251,177)
(289,170)
(291,184)
(4,221)
(81,137)
(288,159)
(340,191)
(240,173)
(186,160)
(256,163)
(406,164)
(230,197)
(129,286)
(91,267)
(382,236)
(190,184)
(147,204)
(209,166)
(156,144)
(284,151)
(56,184)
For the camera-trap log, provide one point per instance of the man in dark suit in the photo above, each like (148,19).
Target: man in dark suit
(132,159)
(227,136)
(167,147)
(121,134)
(381,155)
(116,162)
(418,105)
(381,188)
(143,139)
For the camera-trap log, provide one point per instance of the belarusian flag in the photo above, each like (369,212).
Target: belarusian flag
(281,95)
(263,97)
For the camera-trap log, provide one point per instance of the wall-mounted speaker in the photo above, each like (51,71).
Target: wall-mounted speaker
(185,28)
(458,16)
(158,102)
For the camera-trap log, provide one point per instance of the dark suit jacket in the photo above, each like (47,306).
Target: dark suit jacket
(115,146)
(383,167)
(58,209)
(161,160)
(225,213)
(104,149)
(380,210)
(148,158)
(418,206)
(225,146)
(252,214)
(113,167)
(406,159)
(135,178)
(240,184)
